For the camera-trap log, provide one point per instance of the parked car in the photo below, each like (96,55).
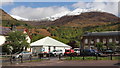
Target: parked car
(108,52)
(23,54)
(68,51)
(2,53)
(100,54)
(88,52)
(56,53)
(77,51)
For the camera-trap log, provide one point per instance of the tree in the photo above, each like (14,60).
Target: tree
(99,46)
(7,48)
(36,37)
(73,44)
(18,41)
(111,45)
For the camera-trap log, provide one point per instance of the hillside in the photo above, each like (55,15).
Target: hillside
(83,20)
(87,19)
(7,20)
(5,16)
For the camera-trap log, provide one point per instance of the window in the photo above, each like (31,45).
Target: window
(86,41)
(104,41)
(92,41)
(98,40)
(110,40)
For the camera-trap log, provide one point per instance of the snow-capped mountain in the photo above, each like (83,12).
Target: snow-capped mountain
(70,13)
(77,11)
(56,16)
(19,18)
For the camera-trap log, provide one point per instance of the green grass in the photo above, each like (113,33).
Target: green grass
(34,60)
(24,61)
(92,58)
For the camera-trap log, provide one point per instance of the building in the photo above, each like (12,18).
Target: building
(90,39)
(4,33)
(47,45)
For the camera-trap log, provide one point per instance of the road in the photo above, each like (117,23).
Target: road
(54,62)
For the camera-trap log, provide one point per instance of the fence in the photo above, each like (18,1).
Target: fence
(96,57)
(72,56)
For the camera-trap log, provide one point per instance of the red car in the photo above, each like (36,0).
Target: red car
(68,51)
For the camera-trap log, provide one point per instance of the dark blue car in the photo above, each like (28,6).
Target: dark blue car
(88,52)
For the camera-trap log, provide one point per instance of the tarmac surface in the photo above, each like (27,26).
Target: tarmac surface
(55,62)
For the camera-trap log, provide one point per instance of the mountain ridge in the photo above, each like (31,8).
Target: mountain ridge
(88,18)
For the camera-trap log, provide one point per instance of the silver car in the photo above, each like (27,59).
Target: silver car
(57,52)
(23,54)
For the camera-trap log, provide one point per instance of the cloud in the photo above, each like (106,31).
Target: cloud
(37,13)
(106,0)
(42,12)
(6,2)
(111,7)
(119,9)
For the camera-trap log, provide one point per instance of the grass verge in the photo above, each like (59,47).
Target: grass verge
(93,58)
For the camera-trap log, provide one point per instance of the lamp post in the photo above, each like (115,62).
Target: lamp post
(10,48)
(82,47)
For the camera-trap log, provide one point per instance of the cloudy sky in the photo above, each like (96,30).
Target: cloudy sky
(44,8)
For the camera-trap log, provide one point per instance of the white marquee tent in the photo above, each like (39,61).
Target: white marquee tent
(47,44)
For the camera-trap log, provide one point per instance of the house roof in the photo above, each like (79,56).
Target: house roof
(48,41)
(109,33)
(6,30)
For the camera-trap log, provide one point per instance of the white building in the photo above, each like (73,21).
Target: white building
(47,45)
(2,40)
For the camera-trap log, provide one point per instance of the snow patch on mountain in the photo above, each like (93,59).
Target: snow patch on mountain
(79,11)
(57,16)
(70,13)
(19,18)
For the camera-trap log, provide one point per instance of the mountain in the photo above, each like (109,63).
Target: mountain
(56,16)
(77,11)
(82,20)
(8,20)
(5,16)
(86,19)
(19,18)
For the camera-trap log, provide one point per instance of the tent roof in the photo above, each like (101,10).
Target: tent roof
(48,41)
